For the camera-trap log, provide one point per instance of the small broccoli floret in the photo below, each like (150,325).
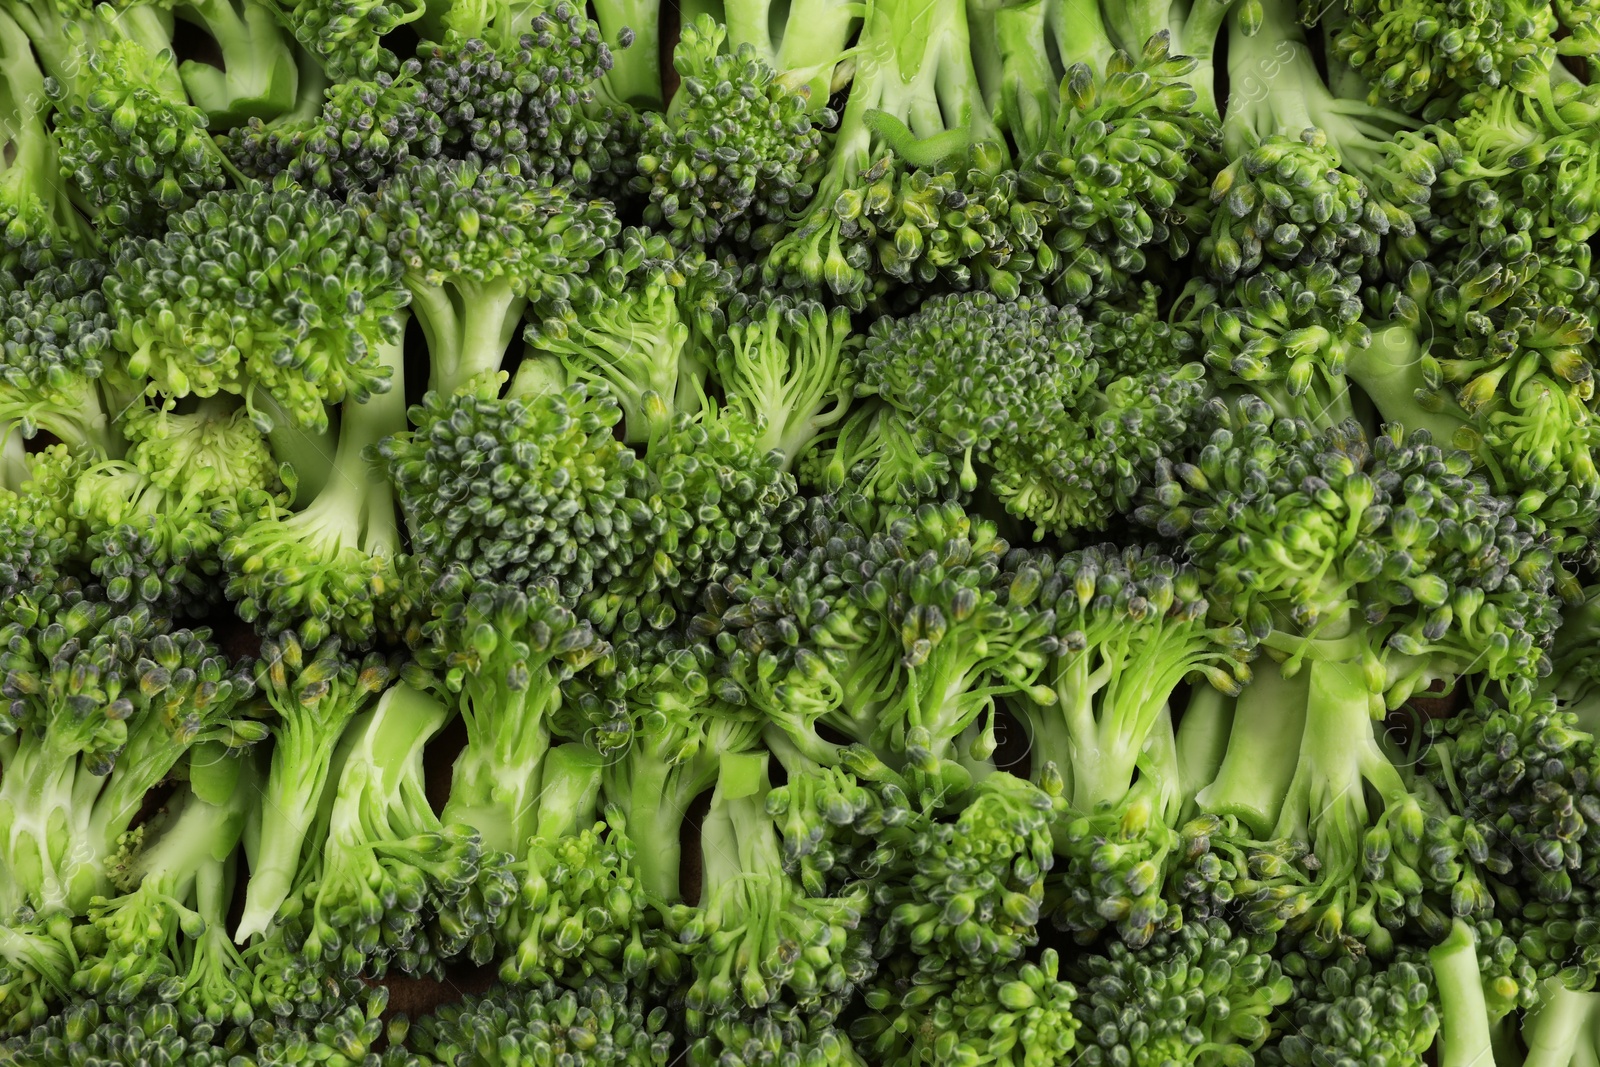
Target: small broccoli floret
(58,332)
(329,568)
(599,1025)
(786,368)
(40,541)
(566,502)
(134,946)
(1021,1015)
(736,150)
(1359,1008)
(1423,55)
(504,653)
(479,246)
(758,937)
(343,138)
(315,691)
(1312,177)
(1199,995)
(1140,111)
(122,1036)
(38,221)
(346,36)
(516,84)
(582,912)
(269,290)
(134,152)
(639,347)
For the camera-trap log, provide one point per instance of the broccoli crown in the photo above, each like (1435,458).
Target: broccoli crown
(1201,994)
(273,290)
(526,94)
(1020,1015)
(125,1036)
(57,330)
(1393,527)
(597,1024)
(361,132)
(39,540)
(1423,54)
(522,489)
(1120,169)
(1360,1009)
(1524,777)
(738,148)
(135,154)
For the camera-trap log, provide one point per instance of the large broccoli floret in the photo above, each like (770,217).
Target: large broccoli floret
(737,148)
(518,84)
(259,290)
(1130,626)
(1384,566)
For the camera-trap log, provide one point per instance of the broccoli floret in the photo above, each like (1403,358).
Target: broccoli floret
(383,890)
(597,1025)
(480,245)
(270,290)
(1401,568)
(1199,995)
(1130,626)
(343,138)
(153,940)
(1423,55)
(315,691)
(40,225)
(1312,176)
(1021,1015)
(329,568)
(520,84)
(564,492)
(736,150)
(786,368)
(757,936)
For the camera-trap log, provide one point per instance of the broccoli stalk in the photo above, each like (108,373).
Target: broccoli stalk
(259,77)
(1253,779)
(328,569)
(808,50)
(140,940)
(1192,30)
(1464,1034)
(315,692)
(388,865)
(1557,1028)
(632,29)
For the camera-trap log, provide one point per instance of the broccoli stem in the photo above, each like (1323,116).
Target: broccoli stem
(43,797)
(635,75)
(810,47)
(468,326)
(259,77)
(1389,371)
(1463,1017)
(494,786)
(1270,73)
(570,791)
(1203,739)
(1263,749)
(656,800)
(1553,1028)
(1025,92)
(1079,30)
